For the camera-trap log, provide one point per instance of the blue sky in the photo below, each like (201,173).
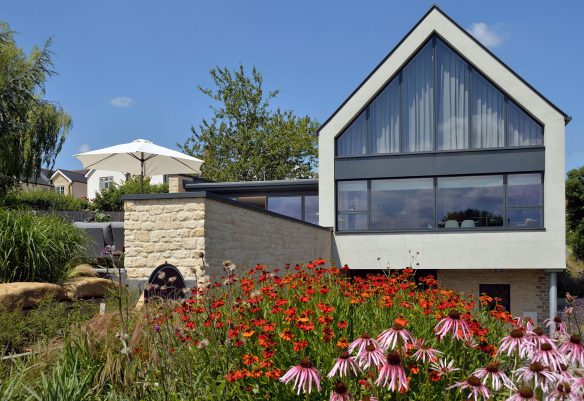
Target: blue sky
(130,69)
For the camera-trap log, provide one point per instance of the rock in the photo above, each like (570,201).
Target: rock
(86,287)
(28,295)
(83,270)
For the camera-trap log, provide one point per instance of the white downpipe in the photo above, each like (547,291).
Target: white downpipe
(553,298)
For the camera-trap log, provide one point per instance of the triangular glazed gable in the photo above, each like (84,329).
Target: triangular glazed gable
(438,101)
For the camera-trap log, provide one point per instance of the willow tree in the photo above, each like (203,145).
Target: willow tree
(32,129)
(246,139)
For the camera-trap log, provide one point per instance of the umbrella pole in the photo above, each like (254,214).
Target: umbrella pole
(142,174)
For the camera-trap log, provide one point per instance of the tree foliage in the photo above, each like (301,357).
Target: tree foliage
(110,199)
(32,129)
(246,140)
(575,211)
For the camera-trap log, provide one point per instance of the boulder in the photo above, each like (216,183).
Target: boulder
(86,287)
(28,295)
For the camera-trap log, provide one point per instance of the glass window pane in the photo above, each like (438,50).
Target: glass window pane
(311,209)
(384,120)
(524,190)
(352,221)
(352,141)
(418,102)
(287,205)
(402,204)
(352,196)
(524,218)
(473,201)
(452,108)
(523,130)
(488,114)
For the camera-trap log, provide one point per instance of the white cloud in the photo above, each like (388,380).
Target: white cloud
(485,34)
(122,101)
(84,148)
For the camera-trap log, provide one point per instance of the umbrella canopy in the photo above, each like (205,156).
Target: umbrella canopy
(140,157)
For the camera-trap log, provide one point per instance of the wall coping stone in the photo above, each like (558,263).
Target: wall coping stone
(218,198)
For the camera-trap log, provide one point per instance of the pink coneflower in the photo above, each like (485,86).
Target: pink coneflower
(525,394)
(564,374)
(393,336)
(304,376)
(573,350)
(372,355)
(563,392)
(516,341)
(540,375)
(557,324)
(491,374)
(443,367)
(340,392)
(476,387)
(392,374)
(548,355)
(360,343)
(425,353)
(454,325)
(344,365)
(537,337)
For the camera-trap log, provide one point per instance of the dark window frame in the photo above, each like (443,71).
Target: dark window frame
(436,229)
(289,195)
(473,69)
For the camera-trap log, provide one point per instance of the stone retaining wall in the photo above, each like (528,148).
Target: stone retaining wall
(177,229)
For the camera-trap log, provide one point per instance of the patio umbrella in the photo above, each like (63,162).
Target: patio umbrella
(140,157)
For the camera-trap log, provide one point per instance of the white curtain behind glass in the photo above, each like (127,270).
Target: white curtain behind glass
(488,114)
(523,130)
(384,120)
(418,102)
(352,141)
(451,100)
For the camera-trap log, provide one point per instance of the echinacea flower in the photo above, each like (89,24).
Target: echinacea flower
(304,376)
(372,355)
(516,341)
(392,374)
(495,377)
(340,392)
(557,324)
(537,337)
(573,350)
(539,375)
(454,325)
(425,353)
(548,355)
(443,367)
(344,364)
(360,343)
(563,392)
(476,387)
(395,335)
(524,394)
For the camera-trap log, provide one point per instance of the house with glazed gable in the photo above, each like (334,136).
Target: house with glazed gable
(442,150)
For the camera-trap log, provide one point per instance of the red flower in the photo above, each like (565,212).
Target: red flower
(342,324)
(299,345)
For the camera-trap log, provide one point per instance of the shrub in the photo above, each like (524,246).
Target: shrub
(37,248)
(110,199)
(43,200)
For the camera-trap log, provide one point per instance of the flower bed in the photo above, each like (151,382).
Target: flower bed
(312,332)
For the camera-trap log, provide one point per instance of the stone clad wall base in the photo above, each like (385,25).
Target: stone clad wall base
(177,230)
(529,287)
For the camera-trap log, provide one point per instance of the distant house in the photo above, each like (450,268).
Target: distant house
(70,182)
(102,179)
(42,182)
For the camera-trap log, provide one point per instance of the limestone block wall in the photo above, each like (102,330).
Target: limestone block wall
(529,288)
(177,229)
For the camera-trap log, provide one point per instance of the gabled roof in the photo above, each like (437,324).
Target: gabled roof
(72,175)
(432,10)
(44,178)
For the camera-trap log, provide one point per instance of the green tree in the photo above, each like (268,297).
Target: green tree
(246,140)
(32,129)
(575,211)
(110,199)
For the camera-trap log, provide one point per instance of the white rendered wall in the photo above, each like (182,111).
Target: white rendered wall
(119,178)
(476,250)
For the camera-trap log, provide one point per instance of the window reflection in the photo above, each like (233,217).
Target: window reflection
(468,202)
(311,209)
(290,206)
